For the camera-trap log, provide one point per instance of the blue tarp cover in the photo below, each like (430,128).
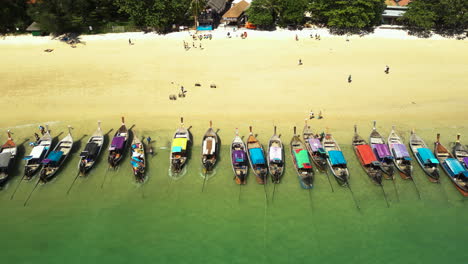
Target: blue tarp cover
(55,156)
(427,156)
(455,166)
(176,149)
(256,155)
(336,157)
(209,27)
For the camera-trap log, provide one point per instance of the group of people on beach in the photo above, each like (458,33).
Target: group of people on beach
(312,115)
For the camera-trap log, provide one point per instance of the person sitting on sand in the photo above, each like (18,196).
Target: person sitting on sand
(300,62)
(311,115)
(320,115)
(387,69)
(350,79)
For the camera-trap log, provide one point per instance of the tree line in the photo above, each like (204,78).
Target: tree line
(341,16)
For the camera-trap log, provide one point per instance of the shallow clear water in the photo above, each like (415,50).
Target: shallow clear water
(166,221)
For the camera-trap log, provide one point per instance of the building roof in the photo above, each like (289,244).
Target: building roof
(217,5)
(397,2)
(393,13)
(237,10)
(34,27)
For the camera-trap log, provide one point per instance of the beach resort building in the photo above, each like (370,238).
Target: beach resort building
(210,16)
(236,14)
(394,10)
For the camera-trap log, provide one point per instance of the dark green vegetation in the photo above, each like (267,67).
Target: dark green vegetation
(167,221)
(341,16)
(445,16)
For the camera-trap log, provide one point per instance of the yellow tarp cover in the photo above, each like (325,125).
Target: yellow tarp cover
(180,142)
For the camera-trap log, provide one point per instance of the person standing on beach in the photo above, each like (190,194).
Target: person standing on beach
(350,79)
(129,42)
(300,62)
(297,38)
(148,139)
(36,136)
(311,115)
(387,69)
(42,129)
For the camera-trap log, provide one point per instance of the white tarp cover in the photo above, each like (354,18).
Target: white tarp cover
(37,151)
(209,146)
(5,159)
(275,153)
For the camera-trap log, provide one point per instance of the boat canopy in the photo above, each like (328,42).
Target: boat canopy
(336,157)
(426,156)
(465,160)
(91,149)
(275,154)
(302,159)
(5,159)
(315,144)
(209,146)
(238,156)
(36,152)
(53,157)
(382,151)
(179,144)
(256,155)
(366,154)
(117,143)
(400,151)
(454,165)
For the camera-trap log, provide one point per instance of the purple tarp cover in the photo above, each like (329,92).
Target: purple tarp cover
(400,150)
(314,144)
(238,156)
(382,150)
(465,160)
(118,142)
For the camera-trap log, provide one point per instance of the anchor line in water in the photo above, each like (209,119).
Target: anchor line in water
(17,187)
(385,195)
(30,194)
(74,180)
(204,181)
(105,177)
(416,188)
(396,190)
(329,181)
(352,194)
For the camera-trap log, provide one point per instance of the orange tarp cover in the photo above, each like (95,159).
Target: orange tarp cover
(366,154)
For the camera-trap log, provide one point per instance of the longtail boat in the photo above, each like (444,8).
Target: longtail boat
(314,147)
(240,165)
(425,157)
(138,160)
(367,158)
(41,149)
(453,167)
(335,159)
(91,151)
(210,149)
(275,157)
(8,153)
(257,158)
(382,152)
(402,159)
(118,145)
(302,162)
(460,152)
(179,148)
(56,158)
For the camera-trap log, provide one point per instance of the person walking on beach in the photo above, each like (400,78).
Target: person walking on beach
(129,42)
(350,79)
(36,136)
(42,129)
(387,69)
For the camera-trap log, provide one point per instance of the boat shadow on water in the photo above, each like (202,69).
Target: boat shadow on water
(16,170)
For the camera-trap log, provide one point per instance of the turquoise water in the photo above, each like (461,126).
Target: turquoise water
(167,221)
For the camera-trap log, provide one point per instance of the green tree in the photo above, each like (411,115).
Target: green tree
(291,12)
(13,15)
(263,13)
(157,14)
(350,16)
(421,16)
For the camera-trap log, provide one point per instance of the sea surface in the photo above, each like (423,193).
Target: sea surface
(108,218)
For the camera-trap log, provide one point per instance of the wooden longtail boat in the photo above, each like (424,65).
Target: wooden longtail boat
(8,153)
(210,149)
(453,167)
(314,147)
(302,162)
(460,152)
(401,157)
(41,149)
(335,159)
(240,165)
(118,145)
(91,151)
(425,157)
(138,160)
(257,158)
(56,158)
(179,148)
(367,158)
(275,158)
(382,152)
